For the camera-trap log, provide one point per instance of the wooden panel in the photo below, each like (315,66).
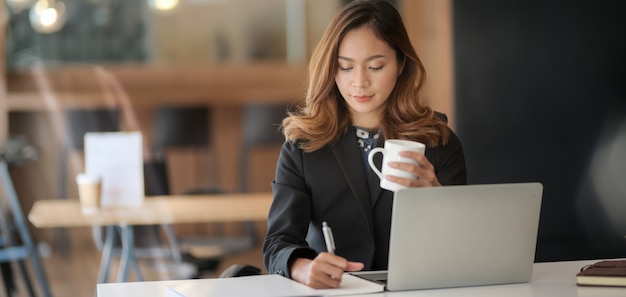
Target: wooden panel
(73,86)
(429,24)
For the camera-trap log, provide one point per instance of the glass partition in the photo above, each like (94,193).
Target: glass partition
(149,32)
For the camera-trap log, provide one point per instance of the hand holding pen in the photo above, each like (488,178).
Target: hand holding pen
(328,238)
(326,269)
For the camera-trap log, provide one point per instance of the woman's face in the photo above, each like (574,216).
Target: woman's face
(368,70)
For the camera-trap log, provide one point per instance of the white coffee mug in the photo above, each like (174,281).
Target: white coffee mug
(391,154)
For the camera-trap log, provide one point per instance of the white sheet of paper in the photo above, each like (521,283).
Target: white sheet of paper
(117,158)
(268,286)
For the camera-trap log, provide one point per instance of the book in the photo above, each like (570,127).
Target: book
(268,285)
(603,273)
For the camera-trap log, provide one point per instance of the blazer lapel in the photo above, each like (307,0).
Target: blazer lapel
(348,157)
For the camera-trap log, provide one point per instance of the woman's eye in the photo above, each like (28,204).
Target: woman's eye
(345,68)
(376,68)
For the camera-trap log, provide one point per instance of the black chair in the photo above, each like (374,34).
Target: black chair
(238,270)
(260,127)
(186,127)
(189,127)
(77,123)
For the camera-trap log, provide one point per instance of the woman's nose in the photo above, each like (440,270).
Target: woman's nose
(360,79)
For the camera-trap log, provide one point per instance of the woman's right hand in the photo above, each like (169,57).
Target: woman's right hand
(323,272)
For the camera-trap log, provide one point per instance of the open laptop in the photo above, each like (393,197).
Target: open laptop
(456,236)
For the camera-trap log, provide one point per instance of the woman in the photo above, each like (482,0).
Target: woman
(364,79)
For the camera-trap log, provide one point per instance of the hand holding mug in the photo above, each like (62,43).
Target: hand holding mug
(424,172)
(404,165)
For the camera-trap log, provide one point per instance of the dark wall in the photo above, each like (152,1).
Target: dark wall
(541,96)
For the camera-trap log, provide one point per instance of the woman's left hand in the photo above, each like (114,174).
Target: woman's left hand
(424,172)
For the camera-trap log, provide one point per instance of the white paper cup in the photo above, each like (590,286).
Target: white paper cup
(89,191)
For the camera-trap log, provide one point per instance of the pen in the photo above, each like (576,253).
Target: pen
(328,237)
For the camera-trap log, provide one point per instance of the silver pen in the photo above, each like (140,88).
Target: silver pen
(328,237)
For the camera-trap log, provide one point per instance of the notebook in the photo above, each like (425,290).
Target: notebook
(457,236)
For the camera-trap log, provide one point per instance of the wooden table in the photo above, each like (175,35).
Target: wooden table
(175,209)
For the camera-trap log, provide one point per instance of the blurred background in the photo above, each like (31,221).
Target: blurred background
(534,89)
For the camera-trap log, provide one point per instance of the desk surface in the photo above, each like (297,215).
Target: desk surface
(155,210)
(552,279)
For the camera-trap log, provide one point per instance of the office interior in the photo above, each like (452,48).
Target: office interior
(534,89)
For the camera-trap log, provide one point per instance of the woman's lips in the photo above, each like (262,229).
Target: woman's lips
(362,98)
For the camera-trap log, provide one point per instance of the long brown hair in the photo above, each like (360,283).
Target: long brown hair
(324,118)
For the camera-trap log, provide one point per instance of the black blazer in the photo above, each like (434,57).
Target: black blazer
(331,184)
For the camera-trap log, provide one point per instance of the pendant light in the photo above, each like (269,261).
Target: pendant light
(47,16)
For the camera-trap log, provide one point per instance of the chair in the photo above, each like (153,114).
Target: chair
(77,123)
(188,127)
(237,270)
(260,127)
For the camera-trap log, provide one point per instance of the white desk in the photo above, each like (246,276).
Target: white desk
(554,279)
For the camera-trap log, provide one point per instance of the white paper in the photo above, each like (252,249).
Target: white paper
(268,285)
(258,286)
(352,285)
(117,158)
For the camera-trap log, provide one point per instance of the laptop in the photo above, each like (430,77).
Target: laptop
(457,236)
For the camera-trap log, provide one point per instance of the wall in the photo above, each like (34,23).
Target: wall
(540,96)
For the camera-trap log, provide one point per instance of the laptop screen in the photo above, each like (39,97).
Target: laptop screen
(466,235)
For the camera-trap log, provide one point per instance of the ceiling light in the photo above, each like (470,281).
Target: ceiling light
(163,4)
(47,16)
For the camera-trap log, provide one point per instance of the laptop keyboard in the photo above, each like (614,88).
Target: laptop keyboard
(380,278)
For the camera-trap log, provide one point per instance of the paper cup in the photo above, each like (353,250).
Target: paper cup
(89,190)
